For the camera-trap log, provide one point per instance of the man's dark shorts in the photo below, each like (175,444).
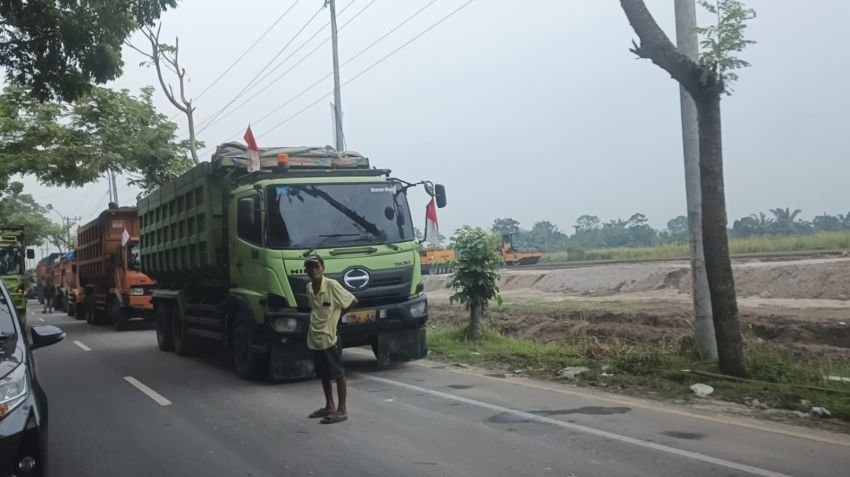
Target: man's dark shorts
(328,362)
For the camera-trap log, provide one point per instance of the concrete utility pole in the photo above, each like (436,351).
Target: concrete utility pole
(114,196)
(68,221)
(340,139)
(688,43)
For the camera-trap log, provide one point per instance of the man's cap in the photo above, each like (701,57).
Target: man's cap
(313,259)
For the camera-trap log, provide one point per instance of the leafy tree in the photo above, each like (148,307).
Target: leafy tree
(74,144)
(827,223)
(677,229)
(17,208)
(785,221)
(747,227)
(475,279)
(505,226)
(544,235)
(707,81)
(587,223)
(57,48)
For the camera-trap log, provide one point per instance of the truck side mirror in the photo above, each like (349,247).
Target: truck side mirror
(30,253)
(440,195)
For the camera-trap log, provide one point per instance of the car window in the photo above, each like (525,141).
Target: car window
(7,325)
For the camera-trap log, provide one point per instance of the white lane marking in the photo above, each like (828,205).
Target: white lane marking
(42,320)
(633,403)
(148,391)
(585,429)
(82,346)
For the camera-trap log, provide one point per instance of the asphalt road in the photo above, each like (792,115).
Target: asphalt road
(120,407)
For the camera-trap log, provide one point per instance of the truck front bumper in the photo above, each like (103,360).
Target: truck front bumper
(397,334)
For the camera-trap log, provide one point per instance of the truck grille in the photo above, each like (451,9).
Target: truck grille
(385,287)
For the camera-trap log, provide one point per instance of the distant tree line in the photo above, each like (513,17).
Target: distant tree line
(589,232)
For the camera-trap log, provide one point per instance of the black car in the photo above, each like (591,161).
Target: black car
(23,405)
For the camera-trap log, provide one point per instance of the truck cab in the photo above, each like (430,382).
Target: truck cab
(13,273)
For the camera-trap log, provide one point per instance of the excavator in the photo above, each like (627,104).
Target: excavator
(436,261)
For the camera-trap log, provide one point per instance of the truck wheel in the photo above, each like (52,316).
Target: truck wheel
(164,338)
(118,315)
(80,311)
(249,364)
(184,343)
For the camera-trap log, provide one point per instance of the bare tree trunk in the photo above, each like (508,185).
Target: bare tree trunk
(705,87)
(193,143)
(718,265)
(473,332)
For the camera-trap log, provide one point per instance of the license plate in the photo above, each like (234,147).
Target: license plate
(356,317)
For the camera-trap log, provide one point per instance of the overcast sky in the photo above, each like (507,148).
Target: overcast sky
(534,110)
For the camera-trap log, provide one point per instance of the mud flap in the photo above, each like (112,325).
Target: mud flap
(408,345)
(293,361)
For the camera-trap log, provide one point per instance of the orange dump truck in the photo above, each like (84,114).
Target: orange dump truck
(109,270)
(71,292)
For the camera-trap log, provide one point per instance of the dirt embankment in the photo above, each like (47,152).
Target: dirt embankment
(801,305)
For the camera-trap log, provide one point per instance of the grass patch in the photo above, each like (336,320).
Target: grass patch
(502,352)
(776,379)
(762,244)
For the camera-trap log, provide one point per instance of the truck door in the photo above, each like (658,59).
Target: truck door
(246,270)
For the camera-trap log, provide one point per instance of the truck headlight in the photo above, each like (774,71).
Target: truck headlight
(137,291)
(419,309)
(13,390)
(285,325)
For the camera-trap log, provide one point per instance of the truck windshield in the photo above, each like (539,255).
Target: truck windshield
(11,261)
(134,262)
(338,215)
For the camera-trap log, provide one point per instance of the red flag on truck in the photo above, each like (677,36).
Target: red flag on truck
(253,151)
(432,227)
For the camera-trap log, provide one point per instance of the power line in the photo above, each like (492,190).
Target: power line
(291,68)
(361,73)
(263,70)
(244,53)
(314,35)
(348,61)
(370,67)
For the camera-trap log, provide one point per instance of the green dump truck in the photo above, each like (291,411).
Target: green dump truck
(13,266)
(227,246)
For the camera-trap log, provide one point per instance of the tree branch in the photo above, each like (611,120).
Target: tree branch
(657,47)
(157,56)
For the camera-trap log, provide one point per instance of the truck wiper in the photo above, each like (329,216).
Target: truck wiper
(324,240)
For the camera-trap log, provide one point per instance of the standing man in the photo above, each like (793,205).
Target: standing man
(49,292)
(328,302)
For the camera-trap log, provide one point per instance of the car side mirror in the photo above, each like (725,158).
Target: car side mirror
(440,195)
(30,253)
(46,335)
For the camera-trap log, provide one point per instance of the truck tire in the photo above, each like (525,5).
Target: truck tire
(164,338)
(184,343)
(250,365)
(80,311)
(118,315)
